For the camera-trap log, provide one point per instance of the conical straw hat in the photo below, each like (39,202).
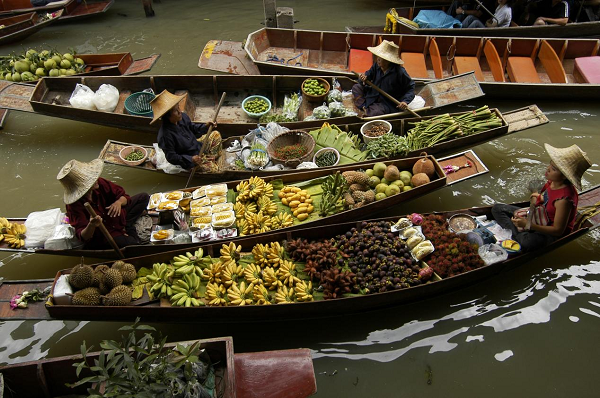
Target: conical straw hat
(78,177)
(387,50)
(163,103)
(571,161)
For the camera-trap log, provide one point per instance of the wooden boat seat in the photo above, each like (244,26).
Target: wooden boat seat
(436,59)
(414,63)
(522,70)
(360,60)
(494,61)
(467,64)
(587,70)
(552,64)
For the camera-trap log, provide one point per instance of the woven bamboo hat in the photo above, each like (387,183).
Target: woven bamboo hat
(571,161)
(163,103)
(387,50)
(78,177)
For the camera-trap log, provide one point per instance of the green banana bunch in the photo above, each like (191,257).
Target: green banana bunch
(186,291)
(161,278)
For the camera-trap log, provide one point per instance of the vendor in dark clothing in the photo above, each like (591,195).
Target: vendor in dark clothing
(178,136)
(114,208)
(552,12)
(387,74)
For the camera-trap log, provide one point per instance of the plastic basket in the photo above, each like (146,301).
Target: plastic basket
(138,104)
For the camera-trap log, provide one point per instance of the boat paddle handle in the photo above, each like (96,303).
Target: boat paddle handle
(105,232)
(203,148)
(386,95)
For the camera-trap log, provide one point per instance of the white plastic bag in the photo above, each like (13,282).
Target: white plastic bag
(106,98)
(40,226)
(83,97)
(417,103)
(62,238)
(162,163)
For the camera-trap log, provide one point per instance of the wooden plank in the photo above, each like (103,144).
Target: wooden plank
(142,65)
(226,56)
(15,95)
(524,118)
(460,160)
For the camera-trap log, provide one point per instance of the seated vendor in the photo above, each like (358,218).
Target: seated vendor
(501,19)
(388,74)
(461,10)
(114,208)
(552,12)
(179,137)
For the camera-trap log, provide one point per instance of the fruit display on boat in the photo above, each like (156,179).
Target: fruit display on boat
(12,234)
(33,65)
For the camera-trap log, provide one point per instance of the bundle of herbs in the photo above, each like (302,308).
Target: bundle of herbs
(387,145)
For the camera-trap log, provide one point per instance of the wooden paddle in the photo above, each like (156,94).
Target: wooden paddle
(386,95)
(105,232)
(486,10)
(205,144)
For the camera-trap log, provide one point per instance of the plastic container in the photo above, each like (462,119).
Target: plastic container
(131,148)
(138,104)
(365,127)
(255,115)
(325,150)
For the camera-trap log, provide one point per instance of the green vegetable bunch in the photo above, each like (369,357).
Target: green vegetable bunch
(387,145)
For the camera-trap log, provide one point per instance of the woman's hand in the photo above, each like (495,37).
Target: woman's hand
(519,222)
(362,77)
(196,159)
(402,105)
(95,222)
(211,124)
(114,210)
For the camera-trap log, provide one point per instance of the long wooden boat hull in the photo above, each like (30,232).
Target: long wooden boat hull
(290,373)
(50,97)
(517,120)
(19,27)
(71,9)
(80,10)
(553,70)
(150,311)
(440,180)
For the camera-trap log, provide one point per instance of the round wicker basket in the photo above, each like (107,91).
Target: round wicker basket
(290,138)
(316,98)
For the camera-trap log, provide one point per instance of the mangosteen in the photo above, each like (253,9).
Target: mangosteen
(396,280)
(340,262)
(408,262)
(415,268)
(383,267)
(354,269)
(348,234)
(359,274)
(404,285)
(369,276)
(382,274)
(397,286)
(371,288)
(406,255)
(382,289)
(364,224)
(390,235)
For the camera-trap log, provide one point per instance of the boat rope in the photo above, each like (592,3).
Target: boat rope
(587,212)
(297,63)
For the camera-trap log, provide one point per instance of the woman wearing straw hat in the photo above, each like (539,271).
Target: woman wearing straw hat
(117,210)
(388,74)
(178,136)
(558,196)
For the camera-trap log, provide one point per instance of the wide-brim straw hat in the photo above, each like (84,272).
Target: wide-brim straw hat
(163,103)
(387,50)
(79,177)
(571,161)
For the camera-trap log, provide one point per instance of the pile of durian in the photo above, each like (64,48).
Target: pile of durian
(255,210)
(103,285)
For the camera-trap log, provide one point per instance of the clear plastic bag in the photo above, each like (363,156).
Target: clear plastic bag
(106,98)
(337,109)
(162,163)
(492,253)
(291,104)
(417,103)
(334,95)
(322,112)
(82,97)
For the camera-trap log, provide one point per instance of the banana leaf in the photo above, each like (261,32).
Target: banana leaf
(330,136)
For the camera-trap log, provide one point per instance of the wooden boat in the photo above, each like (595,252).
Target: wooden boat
(290,373)
(50,97)
(153,310)
(16,95)
(517,120)
(163,218)
(18,27)
(572,29)
(505,67)
(71,9)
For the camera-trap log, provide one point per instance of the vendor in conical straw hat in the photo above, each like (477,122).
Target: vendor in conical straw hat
(558,199)
(388,74)
(117,210)
(179,137)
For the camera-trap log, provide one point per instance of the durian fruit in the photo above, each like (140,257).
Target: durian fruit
(357,187)
(366,197)
(127,270)
(81,276)
(99,274)
(356,177)
(120,295)
(112,278)
(87,296)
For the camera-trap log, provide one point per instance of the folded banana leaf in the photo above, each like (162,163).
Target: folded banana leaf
(330,136)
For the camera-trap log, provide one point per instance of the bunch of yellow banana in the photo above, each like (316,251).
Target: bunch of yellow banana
(256,187)
(188,263)
(268,191)
(266,205)
(4,225)
(258,222)
(271,278)
(262,296)
(243,191)
(216,294)
(259,252)
(242,226)
(242,208)
(231,273)
(253,274)
(281,220)
(160,277)
(275,254)
(304,291)
(240,295)
(15,235)
(230,252)
(284,295)
(288,274)
(186,291)
(213,272)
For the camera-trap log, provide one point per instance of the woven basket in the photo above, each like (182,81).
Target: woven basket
(290,138)
(316,98)
(138,104)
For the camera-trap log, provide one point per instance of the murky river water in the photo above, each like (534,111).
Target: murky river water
(529,332)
